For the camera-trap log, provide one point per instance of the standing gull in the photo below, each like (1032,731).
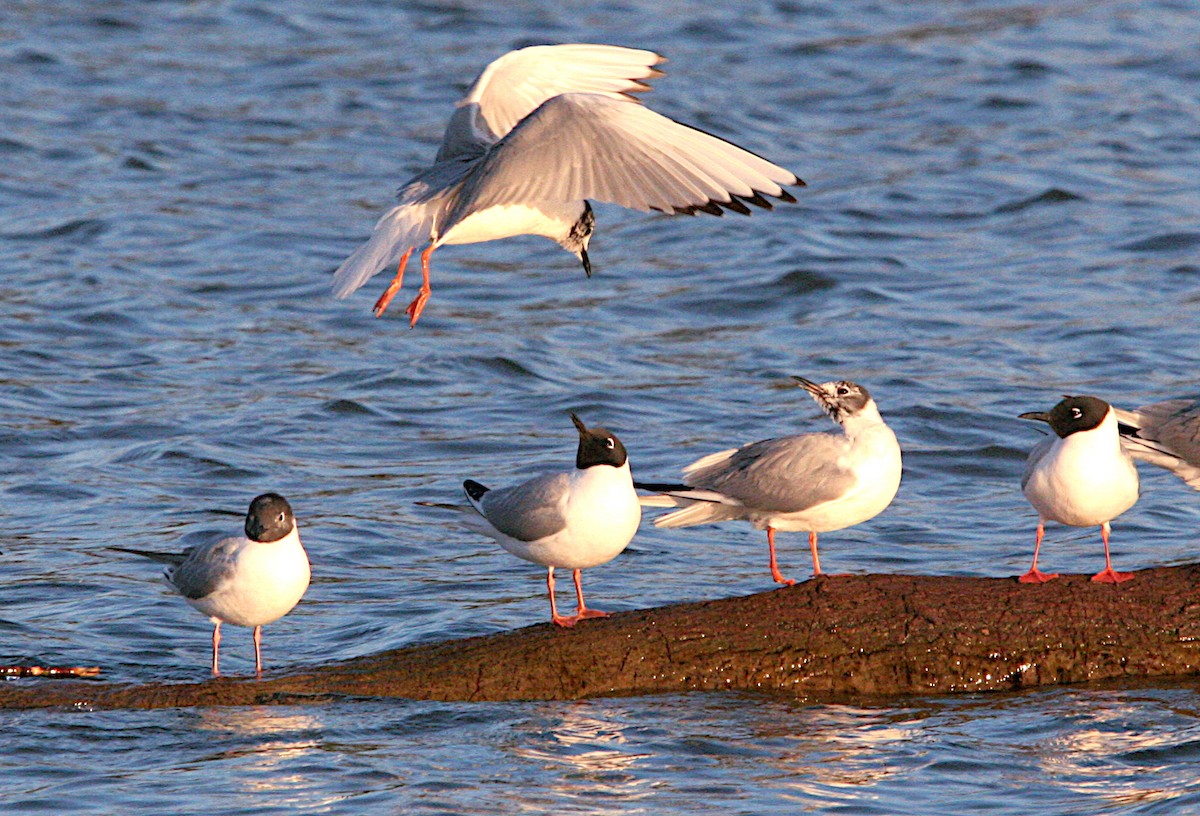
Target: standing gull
(815,482)
(574,520)
(247,581)
(1166,434)
(1079,476)
(542,130)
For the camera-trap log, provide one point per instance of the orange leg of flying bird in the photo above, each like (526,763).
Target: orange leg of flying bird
(1108,576)
(775,573)
(393,287)
(1036,576)
(258,650)
(418,305)
(216,647)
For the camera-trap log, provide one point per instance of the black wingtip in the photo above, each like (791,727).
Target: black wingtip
(474,489)
(734,203)
(758,201)
(660,487)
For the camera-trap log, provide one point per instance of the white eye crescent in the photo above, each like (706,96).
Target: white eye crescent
(610,443)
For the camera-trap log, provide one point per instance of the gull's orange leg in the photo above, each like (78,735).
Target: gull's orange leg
(393,287)
(418,305)
(775,573)
(1035,575)
(1108,576)
(583,612)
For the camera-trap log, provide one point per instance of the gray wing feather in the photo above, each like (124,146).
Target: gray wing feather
(1168,436)
(206,568)
(528,511)
(590,146)
(786,475)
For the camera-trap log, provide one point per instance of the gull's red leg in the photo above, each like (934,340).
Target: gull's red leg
(216,648)
(258,650)
(812,545)
(393,287)
(1036,576)
(775,573)
(1108,576)
(418,305)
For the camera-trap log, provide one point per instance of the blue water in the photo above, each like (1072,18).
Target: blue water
(1002,209)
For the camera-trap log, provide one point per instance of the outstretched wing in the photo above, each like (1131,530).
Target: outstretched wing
(514,85)
(578,146)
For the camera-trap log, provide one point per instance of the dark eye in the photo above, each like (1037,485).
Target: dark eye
(842,391)
(281,518)
(610,443)
(1076,413)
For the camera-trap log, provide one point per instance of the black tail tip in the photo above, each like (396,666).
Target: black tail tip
(474,490)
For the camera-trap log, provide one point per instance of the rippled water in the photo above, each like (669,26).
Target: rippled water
(1002,208)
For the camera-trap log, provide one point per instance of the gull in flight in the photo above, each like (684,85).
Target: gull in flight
(542,130)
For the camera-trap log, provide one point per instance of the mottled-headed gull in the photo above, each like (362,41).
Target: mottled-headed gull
(1079,476)
(1166,434)
(248,580)
(574,520)
(815,482)
(542,130)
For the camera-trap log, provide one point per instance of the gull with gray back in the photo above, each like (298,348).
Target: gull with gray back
(569,520)
(814,482)
(248,580)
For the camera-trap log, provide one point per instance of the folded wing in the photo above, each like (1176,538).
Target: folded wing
(529,511)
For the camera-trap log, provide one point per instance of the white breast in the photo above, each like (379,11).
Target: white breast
(552,220)
(1083,480)
(874,458)
(602,514)
(268,581)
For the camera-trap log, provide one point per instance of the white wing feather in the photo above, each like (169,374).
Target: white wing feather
(514,85)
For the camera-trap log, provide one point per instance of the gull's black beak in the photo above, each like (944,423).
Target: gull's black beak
(808,385)
(587,264)
(1040,416)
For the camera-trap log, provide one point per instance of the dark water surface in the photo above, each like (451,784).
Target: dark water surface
(1002,208)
